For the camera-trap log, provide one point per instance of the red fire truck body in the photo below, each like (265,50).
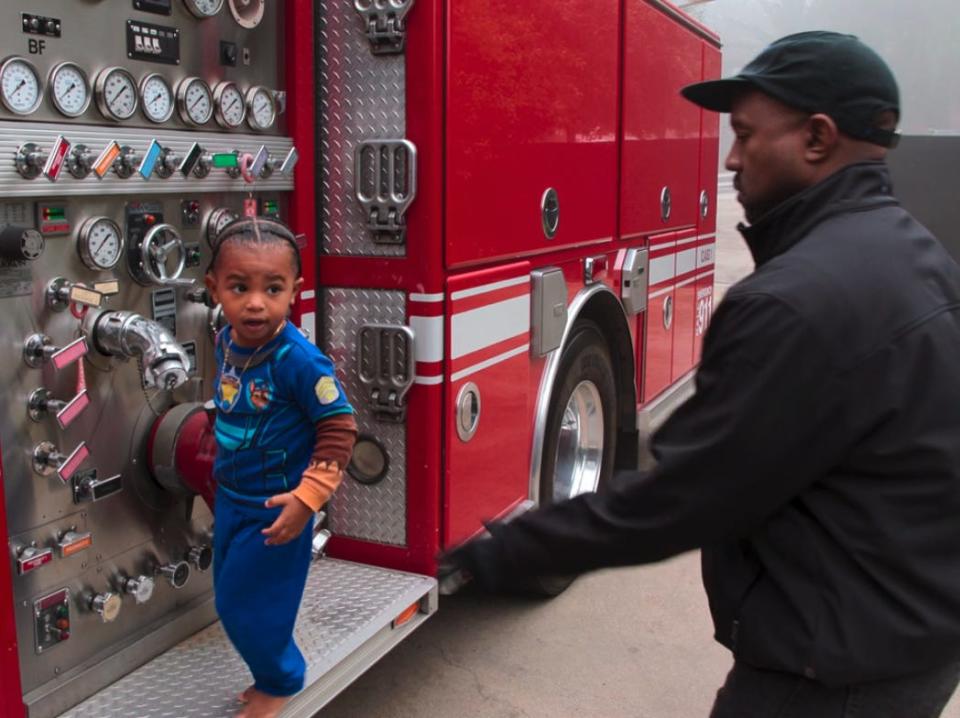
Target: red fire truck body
(548,183)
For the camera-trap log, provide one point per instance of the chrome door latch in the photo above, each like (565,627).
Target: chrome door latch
(386,22)
(386,366)
(386,184)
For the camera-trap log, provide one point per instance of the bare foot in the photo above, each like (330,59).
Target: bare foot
(244,697)
(262,705)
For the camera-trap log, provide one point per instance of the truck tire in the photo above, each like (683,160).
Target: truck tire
(580,439)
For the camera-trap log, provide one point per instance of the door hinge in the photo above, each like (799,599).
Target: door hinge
(386,22)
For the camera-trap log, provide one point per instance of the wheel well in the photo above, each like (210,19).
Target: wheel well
(606,311)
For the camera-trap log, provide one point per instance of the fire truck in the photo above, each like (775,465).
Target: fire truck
(508,228)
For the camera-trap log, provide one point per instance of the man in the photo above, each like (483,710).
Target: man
(818,464)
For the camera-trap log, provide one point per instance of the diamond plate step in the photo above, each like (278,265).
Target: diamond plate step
(345,625)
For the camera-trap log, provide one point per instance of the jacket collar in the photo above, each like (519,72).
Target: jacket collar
(857,185)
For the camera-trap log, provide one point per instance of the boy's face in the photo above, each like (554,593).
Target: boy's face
(256,285)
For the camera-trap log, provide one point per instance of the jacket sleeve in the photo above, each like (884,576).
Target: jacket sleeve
(765,421)
(336,436)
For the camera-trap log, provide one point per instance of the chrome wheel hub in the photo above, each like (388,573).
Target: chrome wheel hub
(580,445)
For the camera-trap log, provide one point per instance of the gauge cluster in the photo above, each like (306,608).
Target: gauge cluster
(119,95)
(198,64)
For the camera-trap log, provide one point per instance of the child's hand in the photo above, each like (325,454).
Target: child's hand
(290,522)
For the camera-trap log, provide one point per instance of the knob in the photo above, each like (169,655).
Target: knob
(108,605)
(141,588)
(80,162)
(204,164)
(46,458)
(127,162)
(177,573)
(32,557)
(41,403)
(30,159)
(199,296)
(19,243)
(168,163)
(200,557)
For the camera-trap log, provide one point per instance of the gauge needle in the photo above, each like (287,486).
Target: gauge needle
(19,87)
(194,103)
(70,89)
(159,96)
(117,95)
(230,106)
(94,250)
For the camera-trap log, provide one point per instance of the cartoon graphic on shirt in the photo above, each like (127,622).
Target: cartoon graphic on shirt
(229,388)
(260,392)
(326,390)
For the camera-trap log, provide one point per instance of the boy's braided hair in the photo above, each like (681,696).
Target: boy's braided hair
(253,232)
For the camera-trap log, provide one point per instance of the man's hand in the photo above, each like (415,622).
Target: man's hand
(290,522)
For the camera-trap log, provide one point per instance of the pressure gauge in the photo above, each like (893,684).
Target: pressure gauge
(157,98)
(261,108)
(100,243)
(69,89)
(231,108)
(194,101)
(204,8)
(217,220)
(116,92)
(20,86)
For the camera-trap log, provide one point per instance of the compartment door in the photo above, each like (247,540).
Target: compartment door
(531,105)
(660,128)
(661,310)
(488,404)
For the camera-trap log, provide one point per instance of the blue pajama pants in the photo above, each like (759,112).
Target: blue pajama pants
(258,589)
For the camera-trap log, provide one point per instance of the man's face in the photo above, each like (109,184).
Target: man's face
(768,153)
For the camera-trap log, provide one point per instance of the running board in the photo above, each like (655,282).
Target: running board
(351,616)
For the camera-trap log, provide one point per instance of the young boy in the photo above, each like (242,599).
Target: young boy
(284,432)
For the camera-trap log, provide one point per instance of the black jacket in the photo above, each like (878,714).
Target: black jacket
(817,465)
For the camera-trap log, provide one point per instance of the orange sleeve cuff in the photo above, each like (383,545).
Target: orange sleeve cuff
(318,483)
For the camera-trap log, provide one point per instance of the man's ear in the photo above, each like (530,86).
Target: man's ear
(211,283)
(822,137)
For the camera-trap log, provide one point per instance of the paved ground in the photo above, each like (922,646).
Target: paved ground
(628,643)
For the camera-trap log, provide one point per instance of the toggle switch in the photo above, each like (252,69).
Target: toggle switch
(168,163)
(31,557)
(32,160)
(151,160)
(41,403)
(47,460)
(61,293)
(72,542)
(127,162)
(284,165)
(39,349)
(87,487)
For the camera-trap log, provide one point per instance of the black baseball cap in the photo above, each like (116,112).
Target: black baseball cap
(817,72)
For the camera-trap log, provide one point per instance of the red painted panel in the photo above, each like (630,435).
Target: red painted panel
(684,315)
(657,359)
(707,227)
(661,129)
(531,104)
(11,698)
(489,474)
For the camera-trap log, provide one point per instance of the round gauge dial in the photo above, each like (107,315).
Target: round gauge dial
(204,8)
(69,89)
(194,101)
(157,98)
(217,220)
(231,107)
(261,108)
(20,86)
(116,92)
(100,243)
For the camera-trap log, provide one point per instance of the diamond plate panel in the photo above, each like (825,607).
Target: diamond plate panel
(379,512)
(343,605)
(361,97)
